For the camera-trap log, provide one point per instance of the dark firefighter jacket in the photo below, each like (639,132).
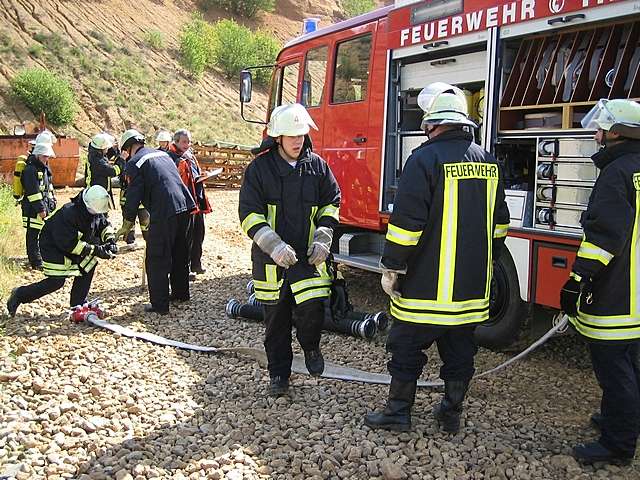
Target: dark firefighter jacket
(153,180)
(293,202)
(98,170)
(67,237)
(609,255)
(38,196)
(449,219)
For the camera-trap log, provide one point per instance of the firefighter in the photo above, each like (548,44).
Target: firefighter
(38,198)
(191,174)
(448,223)
(98,169)
(71,241)
(602,295)
(289,204)
(143,213)
(163,139)
(154,181)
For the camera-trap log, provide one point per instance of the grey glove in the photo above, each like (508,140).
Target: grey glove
(270,243)
(389,282)
(321,246)
(124,230)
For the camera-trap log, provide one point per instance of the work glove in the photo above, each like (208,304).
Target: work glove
(270,243)
(319,250)
(111,246)
(124,230)
(103,251)
(569,296)
(389,282)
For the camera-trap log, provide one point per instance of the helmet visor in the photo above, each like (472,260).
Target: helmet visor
(599,117)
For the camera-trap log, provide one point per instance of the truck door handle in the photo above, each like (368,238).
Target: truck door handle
(360,139)
(559,262)
(446,61)
(442,43)
(566,18)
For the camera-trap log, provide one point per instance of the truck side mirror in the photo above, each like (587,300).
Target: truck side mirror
(245,86)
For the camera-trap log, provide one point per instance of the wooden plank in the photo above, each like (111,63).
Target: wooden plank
(232,159)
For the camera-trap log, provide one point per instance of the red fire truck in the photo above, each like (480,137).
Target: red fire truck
(531,70)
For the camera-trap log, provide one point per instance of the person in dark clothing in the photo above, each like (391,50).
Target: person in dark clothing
(143,213)
(602,295)
(38,199)
(71,241)
(153,180)
(191,174)
(98,169)
(449,222)
(289,206)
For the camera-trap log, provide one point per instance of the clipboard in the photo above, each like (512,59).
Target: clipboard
(209,174)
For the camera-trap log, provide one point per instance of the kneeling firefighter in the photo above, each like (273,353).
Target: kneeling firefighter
(602,295)
(289,203)
(71,241)
(449,221)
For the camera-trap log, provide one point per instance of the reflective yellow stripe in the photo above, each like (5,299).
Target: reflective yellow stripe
(439,318)
(33,222)
(35,197)
(268,290)
(448,239)
(634,263)
(88,262)
(117,169)
(310,282)
(492,188)
(252,220)
(267,296)
(311,294)
(593,252)
(420,304)
(329,211)
(271,216)
(312,224)
(77,250)
(68,269)
(403,237)
(630,333)
(501,230)
(107,232)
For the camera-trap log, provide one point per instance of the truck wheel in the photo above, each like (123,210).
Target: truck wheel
(507,311)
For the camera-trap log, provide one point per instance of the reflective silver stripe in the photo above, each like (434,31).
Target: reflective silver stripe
(149,156)
(593,252)
(609,334)
(310,282)
(439,319)
(402,236)
(418,304)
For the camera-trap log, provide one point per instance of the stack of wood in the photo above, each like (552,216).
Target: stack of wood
(233,159)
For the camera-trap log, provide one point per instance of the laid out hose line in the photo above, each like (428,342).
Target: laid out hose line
(331,370)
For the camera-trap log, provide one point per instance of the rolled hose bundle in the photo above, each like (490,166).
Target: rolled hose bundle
(364,326)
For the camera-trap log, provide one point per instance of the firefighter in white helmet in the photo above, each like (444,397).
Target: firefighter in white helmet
(448,224)
(289,204)
(101,165)
(163,139)
(602,295)
(71,241)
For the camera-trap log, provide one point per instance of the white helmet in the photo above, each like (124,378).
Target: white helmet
(102,141)
(128,135)
(44,136)
(164,136)
(290,120)
(96,199)
(444,104)
(617,116)
(43,149)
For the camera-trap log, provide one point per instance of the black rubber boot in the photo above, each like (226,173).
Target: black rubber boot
(278,386)
(13,303)
(596,452)
(448,412)
(131,237)
(314,362)
(596,420)
(397,414)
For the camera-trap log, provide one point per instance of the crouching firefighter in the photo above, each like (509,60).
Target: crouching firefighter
(71,241)
(449,221)
(289,204)
(602,295)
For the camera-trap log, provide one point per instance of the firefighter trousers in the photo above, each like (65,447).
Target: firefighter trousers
(167,260)
(617,371)
(279,319)
(79,289)
(406,343)
(33,247)
(197,241)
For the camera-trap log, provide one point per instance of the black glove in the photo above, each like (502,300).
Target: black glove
(103,251)
(569,296)
(111,246)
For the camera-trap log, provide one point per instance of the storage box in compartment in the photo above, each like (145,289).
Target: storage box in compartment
(567,147)
(520,207)
(562,194)
(409,143)
(553,268)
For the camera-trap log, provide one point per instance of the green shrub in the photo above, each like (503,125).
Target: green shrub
(154,39)
(52,41)
(266,49)
(44,91)
(243,8)
(197,41)
(353,8)
(35,50)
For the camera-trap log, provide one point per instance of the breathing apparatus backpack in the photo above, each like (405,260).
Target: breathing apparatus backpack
(18,189)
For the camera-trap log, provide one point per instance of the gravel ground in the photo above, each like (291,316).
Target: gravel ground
(77,402)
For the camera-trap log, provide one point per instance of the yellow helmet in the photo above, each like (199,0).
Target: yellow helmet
(617,116)
(444,104)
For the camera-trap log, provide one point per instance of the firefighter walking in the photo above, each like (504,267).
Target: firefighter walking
(153,180)
(602,295)
(289,204)
(449,221)
(71,241)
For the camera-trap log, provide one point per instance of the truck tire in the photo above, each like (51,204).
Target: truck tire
(507,312)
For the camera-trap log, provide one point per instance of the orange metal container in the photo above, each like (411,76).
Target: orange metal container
(63,167)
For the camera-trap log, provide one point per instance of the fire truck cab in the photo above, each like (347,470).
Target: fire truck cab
(531,69)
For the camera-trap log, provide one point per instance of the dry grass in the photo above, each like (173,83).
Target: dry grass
(11,240)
